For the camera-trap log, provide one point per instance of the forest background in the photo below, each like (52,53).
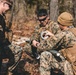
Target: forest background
(22,17)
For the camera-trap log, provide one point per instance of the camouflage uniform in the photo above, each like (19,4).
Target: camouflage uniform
(51,26)
(48,61)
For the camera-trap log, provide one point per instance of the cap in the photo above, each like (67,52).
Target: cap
(66,19)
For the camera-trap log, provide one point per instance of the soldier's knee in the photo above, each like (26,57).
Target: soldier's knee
(27,48)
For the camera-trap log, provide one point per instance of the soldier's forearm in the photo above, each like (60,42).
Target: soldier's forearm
(42,47)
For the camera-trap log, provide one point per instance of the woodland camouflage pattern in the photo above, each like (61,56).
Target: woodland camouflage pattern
(51,26)
(48,61)
(63,39)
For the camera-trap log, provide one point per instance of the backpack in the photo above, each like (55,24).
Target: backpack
(70,53)
(73,30)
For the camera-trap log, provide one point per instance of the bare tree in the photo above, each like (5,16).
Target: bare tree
(54,10)
(20,12)
(68,5)
(74,1)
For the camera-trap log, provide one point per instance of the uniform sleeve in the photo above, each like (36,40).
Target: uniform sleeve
(35,35)
(69,39)
(55,28)
(50,43)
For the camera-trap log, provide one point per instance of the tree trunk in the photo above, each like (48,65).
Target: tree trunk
(20,12)
(74,12)
(54,10)
(68,6)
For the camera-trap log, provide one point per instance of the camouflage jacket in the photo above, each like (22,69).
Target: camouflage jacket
(63,39)
(51,26)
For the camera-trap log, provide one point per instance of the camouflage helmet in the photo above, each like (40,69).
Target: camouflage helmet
(65,19)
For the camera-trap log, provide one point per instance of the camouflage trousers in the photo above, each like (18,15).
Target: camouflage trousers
(16,50)
(48,61)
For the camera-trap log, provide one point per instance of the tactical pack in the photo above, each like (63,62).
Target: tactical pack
(73,30)
(70,53)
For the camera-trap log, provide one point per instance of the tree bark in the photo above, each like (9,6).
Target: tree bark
(74,12)
(20,12)
(68,5)
(54,10)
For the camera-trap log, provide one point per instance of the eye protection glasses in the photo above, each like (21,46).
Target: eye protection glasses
(42,19)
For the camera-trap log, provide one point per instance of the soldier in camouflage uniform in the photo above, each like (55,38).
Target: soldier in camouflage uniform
(45,24)
(64,39)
